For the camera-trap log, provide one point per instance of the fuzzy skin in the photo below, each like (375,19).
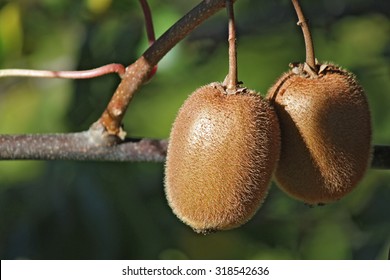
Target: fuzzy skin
(326,134)
(222,152)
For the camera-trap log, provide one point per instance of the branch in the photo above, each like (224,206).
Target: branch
(87,146)
(138,72)
(82,146)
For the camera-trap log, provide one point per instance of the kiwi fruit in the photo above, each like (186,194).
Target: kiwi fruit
(325,132)
(222,152)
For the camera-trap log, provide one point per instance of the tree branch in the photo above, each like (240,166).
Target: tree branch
(138,72)
(87,146)
(82,146)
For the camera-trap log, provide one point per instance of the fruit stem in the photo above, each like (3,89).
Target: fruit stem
(232,78)
(303,23)
(149,29)
(148,21)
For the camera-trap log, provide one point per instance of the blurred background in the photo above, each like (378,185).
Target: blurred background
(97,210)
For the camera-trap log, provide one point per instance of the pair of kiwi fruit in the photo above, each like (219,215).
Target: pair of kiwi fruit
(312,133)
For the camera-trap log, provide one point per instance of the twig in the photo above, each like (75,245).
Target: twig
(148,21)
(84,74)
(149,29)
(302,22)
(137,73)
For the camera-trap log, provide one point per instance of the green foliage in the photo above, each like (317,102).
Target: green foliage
(75,210)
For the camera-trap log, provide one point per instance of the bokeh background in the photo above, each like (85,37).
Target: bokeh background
(97,210)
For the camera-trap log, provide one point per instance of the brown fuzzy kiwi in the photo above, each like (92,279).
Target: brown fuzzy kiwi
(326,133)
(222,152)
